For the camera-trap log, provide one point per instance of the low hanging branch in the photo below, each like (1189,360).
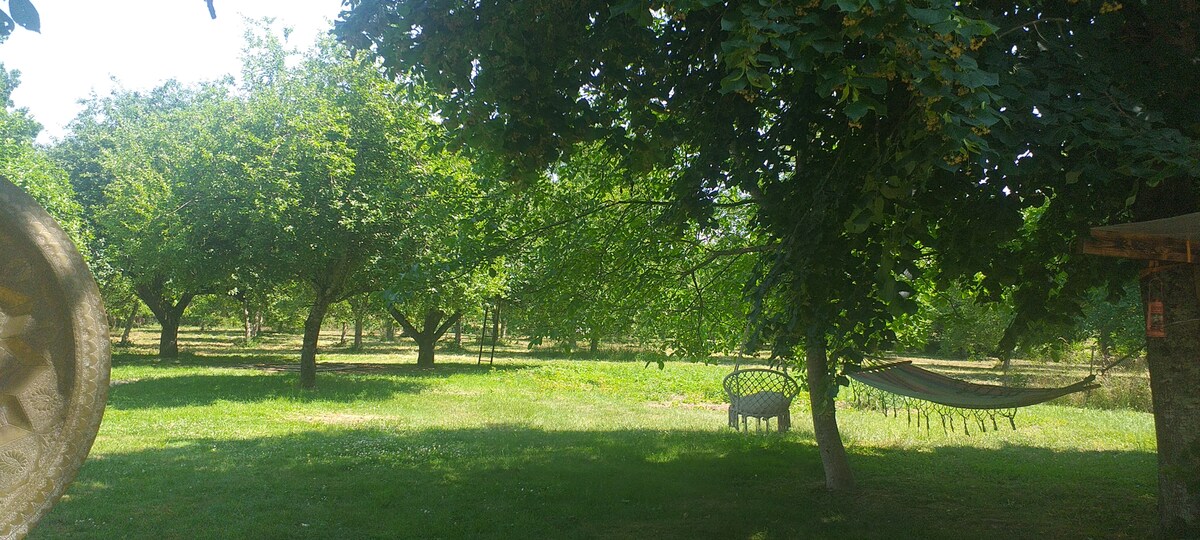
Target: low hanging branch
(719,253)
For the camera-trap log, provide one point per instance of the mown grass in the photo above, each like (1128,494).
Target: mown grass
(211,446)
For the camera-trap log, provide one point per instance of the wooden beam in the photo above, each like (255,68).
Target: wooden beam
(1142,247)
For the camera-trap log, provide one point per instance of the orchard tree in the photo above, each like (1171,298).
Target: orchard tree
(1100,128)
(130,158)
(320,176)
(450,262)
(604,257)
(29,166)
(828,117)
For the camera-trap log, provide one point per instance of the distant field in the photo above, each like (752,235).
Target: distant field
(221,444)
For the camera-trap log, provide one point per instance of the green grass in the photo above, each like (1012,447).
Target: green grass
(536,446)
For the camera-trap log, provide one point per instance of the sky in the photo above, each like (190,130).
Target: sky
(85,46)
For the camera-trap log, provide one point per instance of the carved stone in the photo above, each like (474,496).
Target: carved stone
(54,361)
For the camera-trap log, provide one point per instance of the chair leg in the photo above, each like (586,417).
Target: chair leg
(733,418)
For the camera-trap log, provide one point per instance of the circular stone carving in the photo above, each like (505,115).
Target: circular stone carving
(54,361)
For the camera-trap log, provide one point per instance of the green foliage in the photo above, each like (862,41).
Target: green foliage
(832,119)
(959,324)
(602,258)
(28,166)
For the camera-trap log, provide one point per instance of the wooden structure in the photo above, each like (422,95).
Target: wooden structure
(1171,278)
(1175,239)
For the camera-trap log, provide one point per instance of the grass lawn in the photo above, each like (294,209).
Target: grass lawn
(215,446)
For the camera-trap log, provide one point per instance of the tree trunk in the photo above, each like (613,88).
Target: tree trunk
(167,313)
(458,333)
(168,339)
(247,322)
(425,351)
(824,414)
(1174,376)
(308,348)
(358,332)
(389,330)
(593,343)
(342,340)
(129,323)
(429,334)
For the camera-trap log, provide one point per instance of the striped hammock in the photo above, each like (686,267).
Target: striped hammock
(928,392)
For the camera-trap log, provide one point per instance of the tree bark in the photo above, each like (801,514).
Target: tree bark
(168,339)
(1174,363)
(129,323)
(429,334)
(247,322)
(389,331)
(168,315)
(458,333)
(426,348)
(308,348)
(824,414)
(358,332)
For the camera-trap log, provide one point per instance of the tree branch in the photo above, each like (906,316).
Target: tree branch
(404,322)
(1029,24)
(717,254)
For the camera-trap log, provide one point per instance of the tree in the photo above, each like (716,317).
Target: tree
(318,172)
(603,257)
(828,117)
(30,167)
(450,263)
(134,165)
(1101,130)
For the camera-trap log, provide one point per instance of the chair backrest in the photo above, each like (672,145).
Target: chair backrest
(749,381)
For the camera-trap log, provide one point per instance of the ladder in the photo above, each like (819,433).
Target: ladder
(489,331)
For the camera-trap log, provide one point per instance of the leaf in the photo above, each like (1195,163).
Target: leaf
(1073,177)
(736,80)
(857,110)
(6,24)
(25,15)
(976,79)
(850,6)
(928,16)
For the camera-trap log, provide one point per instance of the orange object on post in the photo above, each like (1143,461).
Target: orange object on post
(1155,319)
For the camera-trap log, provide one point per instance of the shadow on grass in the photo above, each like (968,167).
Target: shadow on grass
(195,390)
(338,382)
(515,482)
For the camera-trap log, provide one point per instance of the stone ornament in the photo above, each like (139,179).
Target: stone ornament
(54,361)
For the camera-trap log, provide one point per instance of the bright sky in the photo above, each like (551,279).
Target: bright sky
(142,43)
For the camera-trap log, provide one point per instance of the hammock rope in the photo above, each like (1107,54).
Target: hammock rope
(887,387)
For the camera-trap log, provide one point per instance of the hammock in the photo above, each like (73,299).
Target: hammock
(928,392)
